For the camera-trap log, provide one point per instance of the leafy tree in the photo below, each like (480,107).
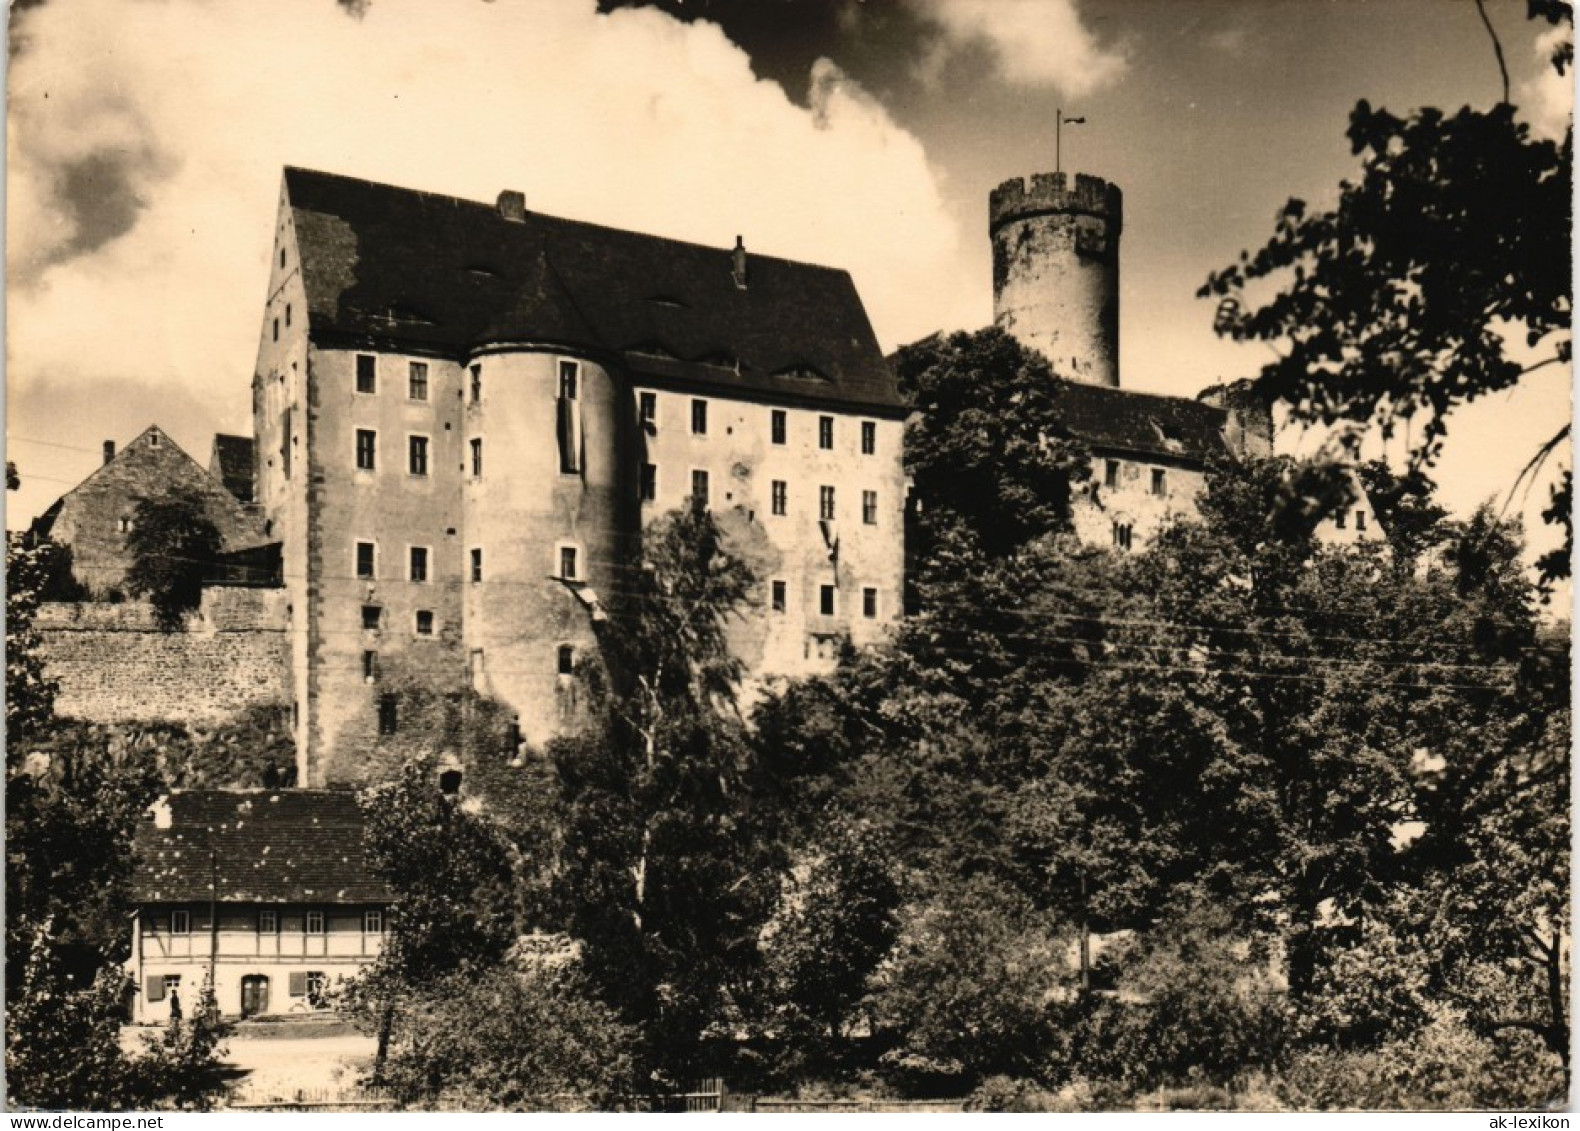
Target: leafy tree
(1405,509)
(29,691)
(173,544)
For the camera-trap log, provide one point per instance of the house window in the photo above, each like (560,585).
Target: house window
(869,437)
(316,983)
(366,569)
(419,563)
(699,489)
(417,381)
(268,922)
(172,983)
(776,425)
(1111,473)
(477,383)
(417,458)
(424,622)
(124,524)
(699,418)
(181,922)
(370,618)
(373,921)
(568,418)
(1159,481)
(477,564)
(869,603)
(1121,535)
(367,373)
(781,501)
(153,439)
(315,922)
(649,482)
(869,508)
(370,666)
(389,717)
(647,409)
(825,432)
(825,503)
(778,596)
(477,457)
(367,449)
(825,600)
(568,563)
(1360,520)
(565,659)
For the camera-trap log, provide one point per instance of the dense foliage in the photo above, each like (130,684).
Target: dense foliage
(174,545)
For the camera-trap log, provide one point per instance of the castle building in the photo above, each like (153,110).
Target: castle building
(465,414)
(1056,290)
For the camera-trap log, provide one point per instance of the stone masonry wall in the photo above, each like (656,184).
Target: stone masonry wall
(115,665)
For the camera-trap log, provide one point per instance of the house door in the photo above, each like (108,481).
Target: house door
(254,995)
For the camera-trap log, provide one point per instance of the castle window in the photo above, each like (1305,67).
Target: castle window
(477,458)
(825,432)
(417,381)
(417,455)
(1121,535)
(282,257)
(568,418)
(475,669)
(477,564)
(370,666)
(869,603)
(699,418)
(869,508)
(565,660)
(825,600)
(776,425)
(450,782)
(367,449)
(570,376)
(124,524)
(1111,473)
(1360,520)
(367,568)
(777,596)
(276,329)
(1159,481)
(419,563)
(371,615)
(477,383)
(389,719)
(568,563)
(181,922)
(780,498)
(315,923)
(367,373)
(287,314)
(268,922)
(373,921)
(825,503)
(699,489)
(649,482)
(1340,518)
(869,437)
(647,409)
(424,622)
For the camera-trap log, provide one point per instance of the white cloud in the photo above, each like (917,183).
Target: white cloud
(1034,43)
(146,142)
(1547,102)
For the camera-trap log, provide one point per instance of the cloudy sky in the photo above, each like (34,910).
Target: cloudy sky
(146,139)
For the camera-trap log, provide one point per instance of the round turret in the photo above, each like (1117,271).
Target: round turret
(1056,271)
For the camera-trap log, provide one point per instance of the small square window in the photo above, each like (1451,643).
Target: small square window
(699,489)
(568,562)
(373,921)
(370,666)
(366,567)
(181,922)
(268,922)
(825,432)
(869,603)
(417,461)
(371,615)
(417,381)
(315,922)
(776,425)
(869,508)
(1159,481)
(419,563)
(825,503)
(647,408)
(869,437)
(649,482)
(477,383)
(367,373)
(424,622)
(367,449)
(1111,473)
(477,564)
(699,417)
(825,600)
(780,499)
(778,596)
(389,719)
(172,984)
(565,660)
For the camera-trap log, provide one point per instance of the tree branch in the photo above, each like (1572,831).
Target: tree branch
(1497,47)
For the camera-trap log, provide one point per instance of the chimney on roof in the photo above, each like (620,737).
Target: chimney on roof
(512,206)
(738,267)
(109,450)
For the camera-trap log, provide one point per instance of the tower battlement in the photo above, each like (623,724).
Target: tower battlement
(1051,193)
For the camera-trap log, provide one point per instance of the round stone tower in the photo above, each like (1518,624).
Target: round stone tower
(1056,271)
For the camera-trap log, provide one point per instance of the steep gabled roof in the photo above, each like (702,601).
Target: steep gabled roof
(266,846)
(1175,428)
(440,274)
(233,454)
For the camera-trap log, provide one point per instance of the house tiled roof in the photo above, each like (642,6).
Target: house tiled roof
(440,274)
(1174,428)
(234,456)
(264,846)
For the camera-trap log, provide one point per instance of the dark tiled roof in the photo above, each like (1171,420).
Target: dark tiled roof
(234,455)
(436,273)
(1173,427)
(268,846)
